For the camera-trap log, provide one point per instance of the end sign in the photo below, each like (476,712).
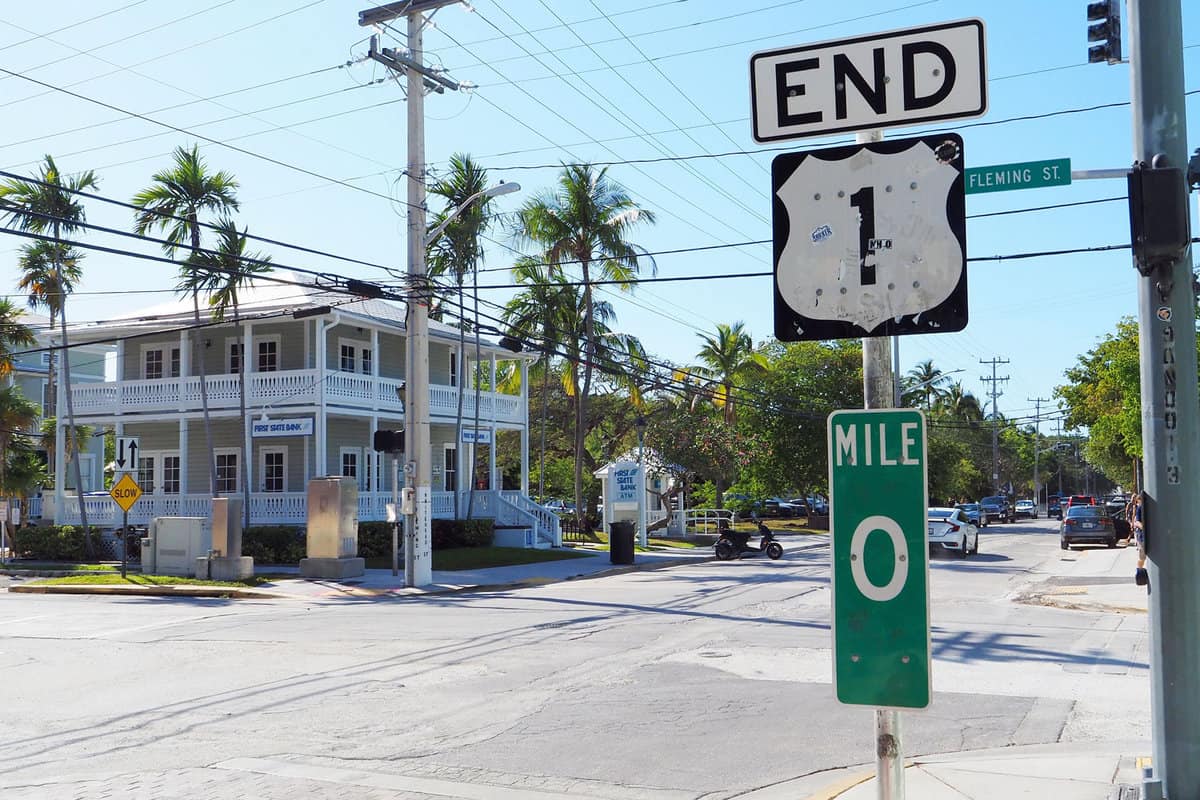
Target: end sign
(878,494)
(903,77)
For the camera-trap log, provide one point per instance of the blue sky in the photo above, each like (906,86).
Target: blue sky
(660,87)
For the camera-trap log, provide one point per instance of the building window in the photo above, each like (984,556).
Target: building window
(349,462)
(155,363)
(346,363)
(47,411)
(145,473)
(274,470)
(152,365)
(46,359)
(453,369)
(366,360)
(450,470)
(227,472)
(234,357)
(171,473)
(268,355)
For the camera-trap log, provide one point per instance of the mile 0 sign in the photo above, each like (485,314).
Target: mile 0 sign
(880,560)
(870,239)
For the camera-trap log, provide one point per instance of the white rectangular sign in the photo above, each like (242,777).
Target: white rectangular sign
(625,482)
(903,77)
(126,455)
(476,436)
(283,427)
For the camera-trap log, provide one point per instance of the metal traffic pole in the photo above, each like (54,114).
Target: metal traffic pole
(124,541)
(395,513)
(1170,428)
(878,387)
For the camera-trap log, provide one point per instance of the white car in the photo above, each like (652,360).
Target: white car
(1025,508)
(949,529)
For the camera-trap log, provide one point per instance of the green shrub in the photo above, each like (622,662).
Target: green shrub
(273,544)
(449,533)
(53,543)
(375,539)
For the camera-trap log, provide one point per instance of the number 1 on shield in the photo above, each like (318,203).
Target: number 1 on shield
(864,201)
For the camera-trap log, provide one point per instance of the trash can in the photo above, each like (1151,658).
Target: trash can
(620,542)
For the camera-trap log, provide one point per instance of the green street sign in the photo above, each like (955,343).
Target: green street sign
(1026,175)
(879,520)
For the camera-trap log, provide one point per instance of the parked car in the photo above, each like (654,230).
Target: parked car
(1025,508)
(997,509)
(1080,500)
(814,504)
(559,506)
(1116,504)
(778,507)
(974,514)
(1054,506)
(950,530)
(1087,523)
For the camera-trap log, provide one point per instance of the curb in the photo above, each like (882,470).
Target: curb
(248,593)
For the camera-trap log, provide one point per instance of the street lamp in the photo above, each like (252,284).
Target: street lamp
(643,535)
(486,194)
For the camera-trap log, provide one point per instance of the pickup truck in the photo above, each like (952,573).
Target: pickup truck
(996,509)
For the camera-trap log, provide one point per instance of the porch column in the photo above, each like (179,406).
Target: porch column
(376,391)
(248,409)
(185,368)
(492,477)
(321,425)
(524,427)
(183,456)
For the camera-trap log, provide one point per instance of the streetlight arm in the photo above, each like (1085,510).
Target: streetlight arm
(494,191)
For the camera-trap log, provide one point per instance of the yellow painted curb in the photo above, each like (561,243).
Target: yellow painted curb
(841,787)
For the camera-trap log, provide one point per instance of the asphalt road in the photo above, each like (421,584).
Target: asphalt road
(701,681)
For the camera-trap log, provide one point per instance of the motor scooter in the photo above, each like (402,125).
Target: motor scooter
(736,544)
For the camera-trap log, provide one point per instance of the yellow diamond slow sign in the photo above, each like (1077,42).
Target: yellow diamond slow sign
(126,492)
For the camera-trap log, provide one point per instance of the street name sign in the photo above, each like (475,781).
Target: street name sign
(1025,175)
(126,492)
(126,453)
(902,77)
(870,239)
(880,578)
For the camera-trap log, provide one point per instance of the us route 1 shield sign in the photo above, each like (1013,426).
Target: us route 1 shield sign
(880,577)
(870,239)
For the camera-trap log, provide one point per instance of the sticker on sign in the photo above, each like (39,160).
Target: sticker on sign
(903,77)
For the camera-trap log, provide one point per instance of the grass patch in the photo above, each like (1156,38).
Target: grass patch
(59,566)
(462,558)
(678,543)
(132,579)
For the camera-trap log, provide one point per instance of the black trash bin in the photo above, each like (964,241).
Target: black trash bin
(620,542)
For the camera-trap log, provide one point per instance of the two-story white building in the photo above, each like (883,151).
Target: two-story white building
(323,372)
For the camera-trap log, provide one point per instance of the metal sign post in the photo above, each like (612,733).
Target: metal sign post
(125,492)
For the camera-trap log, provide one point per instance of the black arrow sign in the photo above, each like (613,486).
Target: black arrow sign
(133,448)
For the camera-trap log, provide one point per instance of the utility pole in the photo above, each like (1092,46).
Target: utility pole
(418,545)
(1170,428)
(1037,432)
(995,393)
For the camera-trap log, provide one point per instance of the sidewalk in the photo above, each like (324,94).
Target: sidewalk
(1076,771)
(1092,579)
(377,583)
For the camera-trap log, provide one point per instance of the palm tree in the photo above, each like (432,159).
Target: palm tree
(49,204)
(587,220)
(17,414)
(76,441)
(961,404)
(49,273)
(927,381)
(13,334)
(546,309)
(457,251)
(173,202)
(729,359)
(26,474)
(221,274)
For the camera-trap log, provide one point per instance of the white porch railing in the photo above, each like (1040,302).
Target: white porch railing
(548,528)
(281,389)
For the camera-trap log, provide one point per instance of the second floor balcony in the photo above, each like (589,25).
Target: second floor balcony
(281,389)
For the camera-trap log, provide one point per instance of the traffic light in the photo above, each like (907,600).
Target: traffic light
(1104,26)
(389,441)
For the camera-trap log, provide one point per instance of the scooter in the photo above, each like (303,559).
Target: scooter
(734,544)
